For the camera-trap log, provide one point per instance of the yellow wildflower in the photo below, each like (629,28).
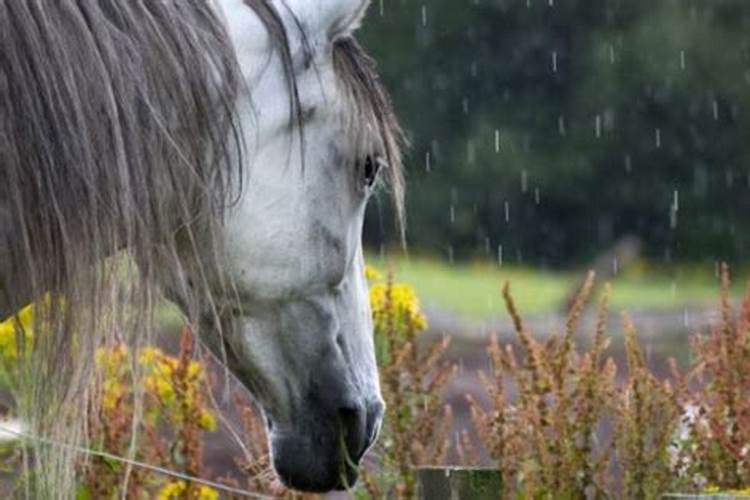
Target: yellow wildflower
(20,323)
(112,360)
(372,274)
(160,387)
(149,355)
(207,421)
(207,493)
(112,391)
(25,317)
(195,370)
(174,490)
(402,302)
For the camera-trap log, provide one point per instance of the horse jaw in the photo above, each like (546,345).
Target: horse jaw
(301,339)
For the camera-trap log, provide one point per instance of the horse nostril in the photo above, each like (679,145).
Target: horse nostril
(354,428)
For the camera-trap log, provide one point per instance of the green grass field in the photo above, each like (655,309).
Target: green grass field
(473,289)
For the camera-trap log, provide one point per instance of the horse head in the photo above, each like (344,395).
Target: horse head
(299,334)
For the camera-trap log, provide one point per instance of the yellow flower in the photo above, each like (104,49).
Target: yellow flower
(173,490)
(207,493)
(399,302)
(207,421)
(112,360)
(160,387)
(372,274)
(112,391)
(19,324)
(149,355)
(194,371)
(25,316)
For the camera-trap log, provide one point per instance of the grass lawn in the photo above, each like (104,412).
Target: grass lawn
(473,289)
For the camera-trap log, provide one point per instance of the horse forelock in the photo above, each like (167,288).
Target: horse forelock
(371,113)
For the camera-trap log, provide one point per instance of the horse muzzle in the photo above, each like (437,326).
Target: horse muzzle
(325,446)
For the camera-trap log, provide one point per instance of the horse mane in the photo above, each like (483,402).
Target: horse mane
(117,126)
(118,131)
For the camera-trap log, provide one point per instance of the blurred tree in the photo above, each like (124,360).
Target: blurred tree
(553,128)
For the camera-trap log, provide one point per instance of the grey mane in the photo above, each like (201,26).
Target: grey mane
(118,131)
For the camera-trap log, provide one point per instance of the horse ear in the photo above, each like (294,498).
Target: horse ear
(332,18)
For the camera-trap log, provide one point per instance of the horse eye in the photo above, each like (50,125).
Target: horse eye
(371,168)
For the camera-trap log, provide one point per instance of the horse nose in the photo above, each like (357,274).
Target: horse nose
(360,425)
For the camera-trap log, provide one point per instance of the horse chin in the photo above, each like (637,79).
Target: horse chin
(312,462)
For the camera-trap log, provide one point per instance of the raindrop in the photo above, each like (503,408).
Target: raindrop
(682,60)
(551,3)
(487,245)
(453,214)
(424,15)
(554,61)
(497,141)
(450,254)
(524,181)
(382,9)
(686,318)
(628,164)
(471,153)
(500,255)
(676,200)
(536,196)
(615,265)
(611,54)
(657,137)
(465,105)
(598,126)
(561,125)
(715,106)
(507,211)
(427,166)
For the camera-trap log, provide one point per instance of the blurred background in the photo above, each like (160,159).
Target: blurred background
(553,136)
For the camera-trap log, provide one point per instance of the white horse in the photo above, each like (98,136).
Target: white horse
(231,146)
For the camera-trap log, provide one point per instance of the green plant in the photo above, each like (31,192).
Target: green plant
(647,415)
(543,441)
(174,417)
(715,447)
(416,426)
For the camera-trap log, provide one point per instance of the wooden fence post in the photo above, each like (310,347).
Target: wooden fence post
(458,483)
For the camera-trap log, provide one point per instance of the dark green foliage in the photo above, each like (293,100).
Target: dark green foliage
(478,66)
